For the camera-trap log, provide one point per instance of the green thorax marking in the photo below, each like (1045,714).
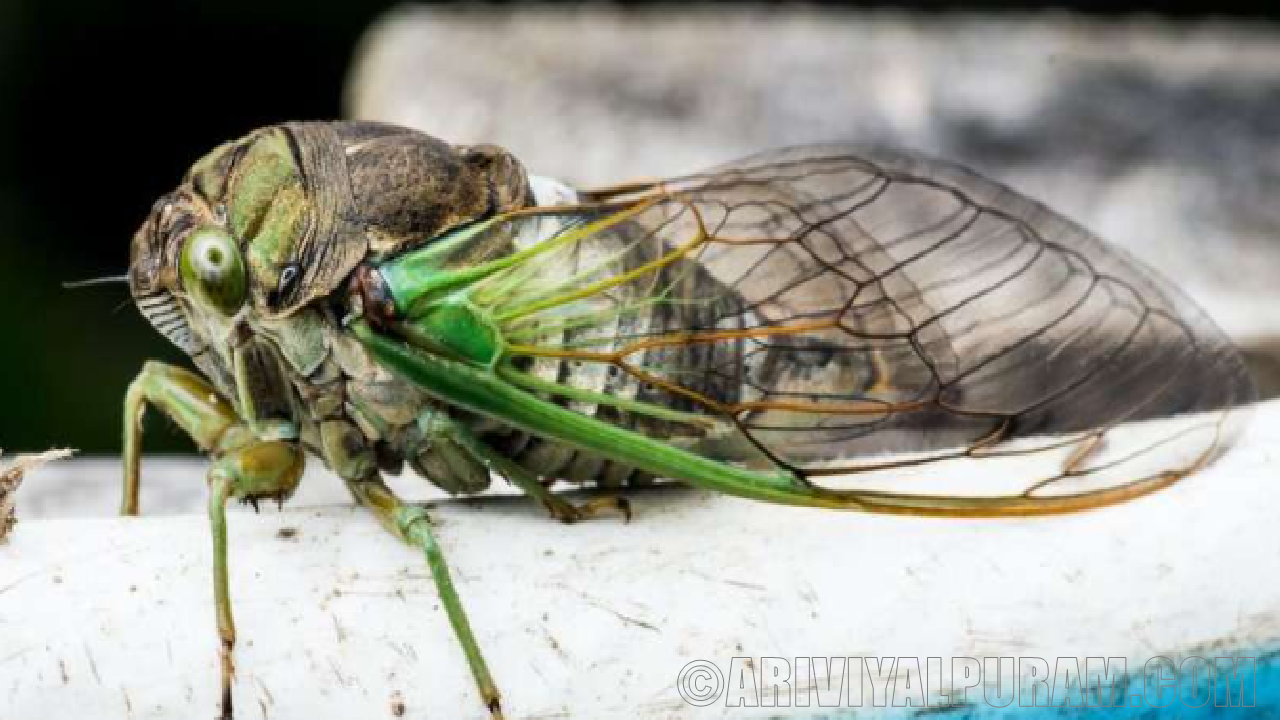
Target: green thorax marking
(430,291)
(458,328)
(449,263)
(423,276)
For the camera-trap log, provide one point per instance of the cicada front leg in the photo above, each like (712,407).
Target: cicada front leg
(245,467)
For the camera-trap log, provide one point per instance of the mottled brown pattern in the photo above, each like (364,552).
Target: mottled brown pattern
(410,187)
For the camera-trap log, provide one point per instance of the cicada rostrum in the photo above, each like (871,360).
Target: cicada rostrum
(382,299)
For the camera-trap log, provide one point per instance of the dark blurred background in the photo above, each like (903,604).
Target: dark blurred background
(103,107)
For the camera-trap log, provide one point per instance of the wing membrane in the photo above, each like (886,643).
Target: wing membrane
(808,308)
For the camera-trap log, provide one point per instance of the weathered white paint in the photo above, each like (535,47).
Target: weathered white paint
(115,615)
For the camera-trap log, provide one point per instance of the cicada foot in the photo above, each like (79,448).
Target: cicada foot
(245,468)
(568,513)
(258,469)
(227,663)
(413,525)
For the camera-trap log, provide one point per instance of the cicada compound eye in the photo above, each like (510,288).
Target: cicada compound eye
(212,270)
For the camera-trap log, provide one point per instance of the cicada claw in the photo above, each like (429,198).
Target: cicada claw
(226,655)
(569,513)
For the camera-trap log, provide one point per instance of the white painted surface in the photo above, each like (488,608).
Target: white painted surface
(114,617)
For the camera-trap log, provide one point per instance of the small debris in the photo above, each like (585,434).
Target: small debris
(11,477)
(287,533)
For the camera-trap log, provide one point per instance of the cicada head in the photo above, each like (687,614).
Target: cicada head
(299,206)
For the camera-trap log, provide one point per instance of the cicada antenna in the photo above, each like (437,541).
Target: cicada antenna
(104,280)
(89,282)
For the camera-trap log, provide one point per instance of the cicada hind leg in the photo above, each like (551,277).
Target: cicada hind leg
(413,525)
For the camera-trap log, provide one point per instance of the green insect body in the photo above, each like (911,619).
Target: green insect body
(378,298)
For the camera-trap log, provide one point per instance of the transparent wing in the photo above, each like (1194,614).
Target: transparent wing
(809,308)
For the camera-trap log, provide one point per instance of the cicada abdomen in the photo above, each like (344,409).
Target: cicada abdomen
(810,309)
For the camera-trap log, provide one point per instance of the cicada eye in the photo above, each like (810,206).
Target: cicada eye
(212,270)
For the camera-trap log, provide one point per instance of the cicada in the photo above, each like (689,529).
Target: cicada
(379,298)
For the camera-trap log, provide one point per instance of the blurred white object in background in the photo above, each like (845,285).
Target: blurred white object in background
(1162,138)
